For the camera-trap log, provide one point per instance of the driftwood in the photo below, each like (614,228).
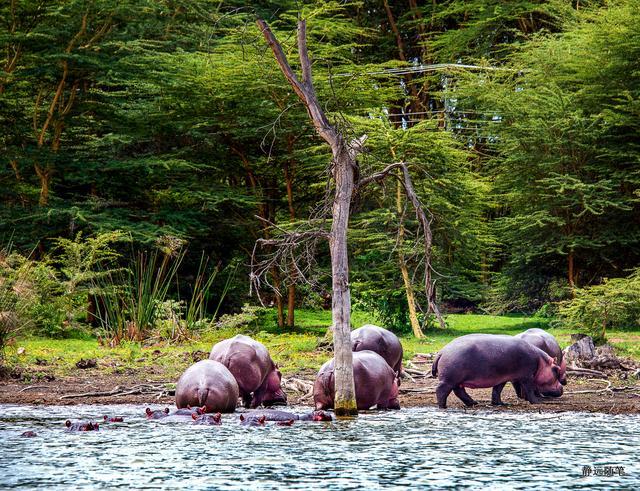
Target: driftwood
(593,391)
(119,391)
(585,372)
(33,387)
(417,391)
(300,386)
(416,373)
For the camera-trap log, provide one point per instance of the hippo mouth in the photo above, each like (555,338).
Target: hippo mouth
(552,393)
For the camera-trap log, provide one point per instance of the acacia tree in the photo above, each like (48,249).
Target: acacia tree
(344,173)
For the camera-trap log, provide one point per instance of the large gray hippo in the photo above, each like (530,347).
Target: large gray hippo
(375,382)
(478,361)
(547,343)
(207,383)
(383,342)
(254,370)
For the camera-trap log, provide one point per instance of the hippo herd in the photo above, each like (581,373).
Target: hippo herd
(241,367)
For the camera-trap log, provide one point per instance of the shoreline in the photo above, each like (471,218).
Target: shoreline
(611,396)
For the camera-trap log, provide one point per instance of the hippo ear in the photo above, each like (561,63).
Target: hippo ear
(241,417)
(194,416)
(148,411)
(217,417)
(105,418)
(262,419)
(67,423)
(166,410)
(202,409)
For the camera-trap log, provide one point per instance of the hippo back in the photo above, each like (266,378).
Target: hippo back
(381,341)
(375,382)
(207,383)
(247,359)
(543,340)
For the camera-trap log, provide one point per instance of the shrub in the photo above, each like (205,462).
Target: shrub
(613,304)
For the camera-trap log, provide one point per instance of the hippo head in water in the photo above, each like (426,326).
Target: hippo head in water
(81,426)
(157,414)
(320,415)
(207,419)
(270,393)
(548,377)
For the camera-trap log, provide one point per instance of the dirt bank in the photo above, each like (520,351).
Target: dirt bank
(612,396)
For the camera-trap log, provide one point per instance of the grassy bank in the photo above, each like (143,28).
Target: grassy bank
(296,350)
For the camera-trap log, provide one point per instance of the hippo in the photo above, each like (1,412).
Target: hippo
(275,415)
(81,426)
(382,341)
(486,360)
(254,370)
(29,434)
(113,419)
(547,343)
(210,384)
(157,414)
(207,419)
(253,421)
(375,382)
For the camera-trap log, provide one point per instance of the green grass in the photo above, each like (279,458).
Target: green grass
(294,350)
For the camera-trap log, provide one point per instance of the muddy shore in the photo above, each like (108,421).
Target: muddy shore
(612,396)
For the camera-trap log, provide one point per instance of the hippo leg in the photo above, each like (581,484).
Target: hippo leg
(530,392)
(464,397)
(442,392)
(518,388)
(246,400)
(495,395)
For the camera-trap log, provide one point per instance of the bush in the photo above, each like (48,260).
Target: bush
(613,304)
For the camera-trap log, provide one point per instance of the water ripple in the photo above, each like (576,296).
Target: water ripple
(417,448)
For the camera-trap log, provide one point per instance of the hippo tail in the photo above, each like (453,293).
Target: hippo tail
(203,394)
(434,367)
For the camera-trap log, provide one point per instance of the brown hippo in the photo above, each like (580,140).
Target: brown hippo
(210,384)
(375,381)
(382,341)
(547,343)
(254,370)
(486,360)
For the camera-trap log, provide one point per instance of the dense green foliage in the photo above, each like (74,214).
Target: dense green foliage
(170,119)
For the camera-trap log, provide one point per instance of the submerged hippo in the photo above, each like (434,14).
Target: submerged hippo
(480,361)
(157,414)
(275,415)
(81,426)
(254,370)
(382,341)
(113,419)
(207,383)
(375,383)
(207,419)
(547,343)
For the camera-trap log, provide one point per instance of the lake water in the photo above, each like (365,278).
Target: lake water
(417,448)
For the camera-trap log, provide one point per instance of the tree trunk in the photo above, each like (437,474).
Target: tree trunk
(344,165)
(571,274)
(411,301)
(345,400)
(291,296)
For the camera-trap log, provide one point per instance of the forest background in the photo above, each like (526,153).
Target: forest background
(147,145)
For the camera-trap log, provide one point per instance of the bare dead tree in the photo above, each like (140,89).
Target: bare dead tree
(344,173)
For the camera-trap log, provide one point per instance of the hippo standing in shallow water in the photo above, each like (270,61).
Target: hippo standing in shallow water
(480,361)
(375,383)
(547,343)
(254,370)
(381,341)
(210,384)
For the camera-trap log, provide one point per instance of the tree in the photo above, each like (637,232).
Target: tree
(345,175)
